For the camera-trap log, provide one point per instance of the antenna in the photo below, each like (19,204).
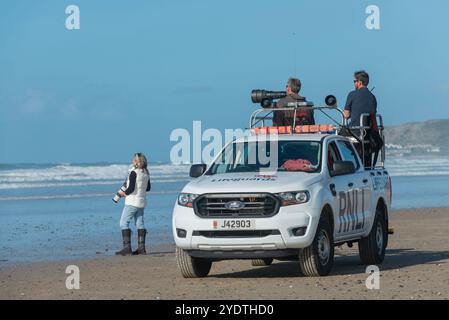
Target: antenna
(372,89)
(294,53)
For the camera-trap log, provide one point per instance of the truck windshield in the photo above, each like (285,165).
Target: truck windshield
(302,156)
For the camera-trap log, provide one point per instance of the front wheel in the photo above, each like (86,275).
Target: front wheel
(318,258)
(191,267)
(372,248)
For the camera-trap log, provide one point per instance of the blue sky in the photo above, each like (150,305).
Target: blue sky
(136,70)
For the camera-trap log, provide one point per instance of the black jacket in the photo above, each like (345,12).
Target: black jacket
(358,102)
(285,117)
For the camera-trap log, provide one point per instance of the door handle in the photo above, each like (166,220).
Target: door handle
(350,184)
(365,181)
(332,187)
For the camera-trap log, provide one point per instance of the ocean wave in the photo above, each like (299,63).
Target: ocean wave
(418,166)
(26,185)
(73,196)
(16,176)
(79,173)
(418,173)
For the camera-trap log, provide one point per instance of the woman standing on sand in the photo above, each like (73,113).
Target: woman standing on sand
(137,185)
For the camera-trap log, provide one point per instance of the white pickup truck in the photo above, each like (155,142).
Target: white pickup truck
(325,197)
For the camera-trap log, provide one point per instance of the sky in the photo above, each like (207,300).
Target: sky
(137,70)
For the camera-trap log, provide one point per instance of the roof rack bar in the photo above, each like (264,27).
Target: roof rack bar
(294,106)
(300,106)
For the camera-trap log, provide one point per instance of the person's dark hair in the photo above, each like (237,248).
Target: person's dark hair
(294,84)
(362,76)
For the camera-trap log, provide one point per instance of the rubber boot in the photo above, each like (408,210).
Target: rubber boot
(126,235)
(141,233)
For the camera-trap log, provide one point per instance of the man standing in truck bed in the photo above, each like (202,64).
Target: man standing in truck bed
(361,101)
(285,117)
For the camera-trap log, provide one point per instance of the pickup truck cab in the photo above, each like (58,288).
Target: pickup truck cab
(319,195)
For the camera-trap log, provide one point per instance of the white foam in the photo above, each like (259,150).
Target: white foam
(71,175)
(76,175)
(77,184)
(72,196)
(418,166)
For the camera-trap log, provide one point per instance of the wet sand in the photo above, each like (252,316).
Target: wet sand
(416,267)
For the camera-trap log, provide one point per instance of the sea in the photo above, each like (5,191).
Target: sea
(65,211)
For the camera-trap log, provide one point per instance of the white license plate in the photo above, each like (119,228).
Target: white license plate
(234,224)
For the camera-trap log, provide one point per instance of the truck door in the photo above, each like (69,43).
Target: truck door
(339,188)
(354,206)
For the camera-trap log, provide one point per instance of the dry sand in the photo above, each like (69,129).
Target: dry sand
(416,267)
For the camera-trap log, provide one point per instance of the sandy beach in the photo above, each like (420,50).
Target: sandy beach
(416,267)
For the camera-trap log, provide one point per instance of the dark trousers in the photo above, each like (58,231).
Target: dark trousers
(367,158)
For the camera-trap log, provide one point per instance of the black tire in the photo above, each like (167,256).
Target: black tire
(191,267)
(318,258)
(372,248)
(261,262)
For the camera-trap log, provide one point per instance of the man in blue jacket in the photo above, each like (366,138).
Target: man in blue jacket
(361,101)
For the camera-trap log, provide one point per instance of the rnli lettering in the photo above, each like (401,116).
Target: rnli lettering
(352,206)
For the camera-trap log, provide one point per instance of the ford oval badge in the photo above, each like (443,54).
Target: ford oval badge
(234,205)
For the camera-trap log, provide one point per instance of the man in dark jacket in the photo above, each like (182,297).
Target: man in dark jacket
(361,101)
(285,117)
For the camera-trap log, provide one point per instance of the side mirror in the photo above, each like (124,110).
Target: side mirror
(343,167)
(197,170)
(331,101)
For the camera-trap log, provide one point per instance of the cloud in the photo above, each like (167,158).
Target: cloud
(70,108)
(34,102)
(442,88)
(74,105)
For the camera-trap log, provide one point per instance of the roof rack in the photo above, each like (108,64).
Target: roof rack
(258,117)
(320,128)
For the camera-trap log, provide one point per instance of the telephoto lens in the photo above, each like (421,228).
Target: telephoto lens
(258,96)
(117,196)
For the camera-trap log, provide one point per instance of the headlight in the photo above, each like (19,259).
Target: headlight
(294,197)
(186,199)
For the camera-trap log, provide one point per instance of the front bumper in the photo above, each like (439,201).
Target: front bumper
(287,219)
(243,254)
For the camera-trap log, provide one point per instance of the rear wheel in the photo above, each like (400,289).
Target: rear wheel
(318,258)
(261,262)
(372,248)
(191,267)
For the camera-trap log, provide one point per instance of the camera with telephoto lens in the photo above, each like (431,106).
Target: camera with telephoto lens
(265,98)
(117,196)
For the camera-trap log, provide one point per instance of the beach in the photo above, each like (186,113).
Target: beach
(416,266)
(51,212)
(248,149)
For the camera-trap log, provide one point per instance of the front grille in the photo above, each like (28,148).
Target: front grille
(236,233)
(258,205)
